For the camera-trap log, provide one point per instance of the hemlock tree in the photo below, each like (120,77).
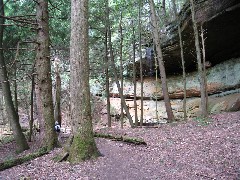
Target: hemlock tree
(83,145)
(182,60)
(43,80)
(140,56)
(12,114)
(157,43)
(107,64)
(200,64)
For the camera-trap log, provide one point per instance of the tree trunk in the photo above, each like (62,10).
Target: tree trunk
(32,106)
(200,66)
(11,112)
(39,108)
(121,67)
(157,42)
(183,62)
(116,76)
(164,12)
(43,69)
(15,78)
(83,145)
(140,55)
(107,64)
(134,76)
(204,66)
(57,106)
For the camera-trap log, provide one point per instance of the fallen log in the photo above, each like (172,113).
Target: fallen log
(17,161)
(131,140)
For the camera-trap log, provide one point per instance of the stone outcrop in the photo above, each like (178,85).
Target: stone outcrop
(220,78)
(220,21)
(223,89)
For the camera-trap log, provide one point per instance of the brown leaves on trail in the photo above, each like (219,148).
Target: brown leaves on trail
(183,150)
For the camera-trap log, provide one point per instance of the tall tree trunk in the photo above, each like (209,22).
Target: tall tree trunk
(121,66)
(15,78)
(157,42)
(43,69)
(39,110)
(156,85)
(57,106)
(134,76)
(140,55)
(116,76)
(164,12)
(32,106)
(200,65)
(107,64)
(83,145)
(183,62)
(2,115)
(204,66)
(11,112)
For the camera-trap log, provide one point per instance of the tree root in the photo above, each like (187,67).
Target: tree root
(136,141)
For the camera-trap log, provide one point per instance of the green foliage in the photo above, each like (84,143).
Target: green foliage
(203,121)
(6,139)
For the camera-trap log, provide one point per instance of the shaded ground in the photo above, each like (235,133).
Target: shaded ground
(191,150)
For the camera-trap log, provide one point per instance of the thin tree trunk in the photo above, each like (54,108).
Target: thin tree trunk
(32,106)
(57,107)
(160,62)
(121,68)
(156,79)
(183,62)
(15,79)
(204,66)
(116,76)
(11,112)
(140,55)
(44,81)
(164,12)
(200,66)
(83,145)
(2,122)
(134,76)
(107,65)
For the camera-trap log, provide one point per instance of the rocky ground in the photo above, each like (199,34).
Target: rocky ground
(196,149)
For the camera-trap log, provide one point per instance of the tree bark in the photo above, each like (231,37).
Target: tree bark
(157,42)
(121,67)
(204,66)
(57,106)
(11,112)
(116,76)
(183,62)
(43,69)
(200,65)
(107,64)
(83,145)
(140,55)
(15,78)
(134,76)
(32,106)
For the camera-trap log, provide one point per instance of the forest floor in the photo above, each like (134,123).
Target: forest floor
(195,149)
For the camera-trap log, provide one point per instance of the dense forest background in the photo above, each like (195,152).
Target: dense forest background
(74,71)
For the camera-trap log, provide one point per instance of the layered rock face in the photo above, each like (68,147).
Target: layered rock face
(220,21)
(221,25)
(223,88)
